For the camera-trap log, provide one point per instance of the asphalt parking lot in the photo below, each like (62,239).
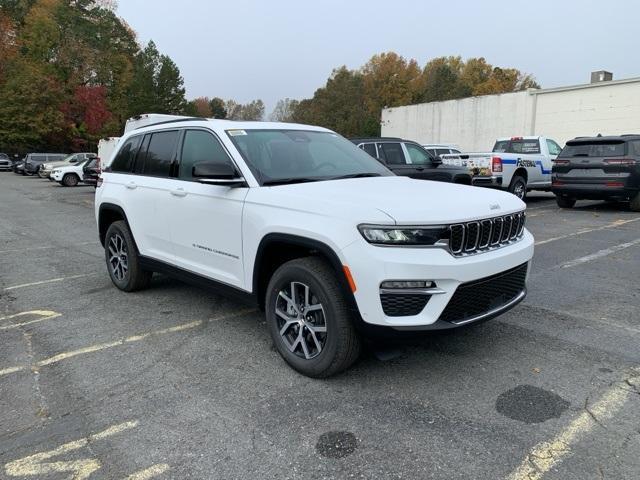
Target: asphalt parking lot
(175,382)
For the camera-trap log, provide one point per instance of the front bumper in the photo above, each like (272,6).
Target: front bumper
(57,176)
(371,265)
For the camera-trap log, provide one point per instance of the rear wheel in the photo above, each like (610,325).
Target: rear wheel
(123,259)
(518,187)
(635,203)
(308,318)
(70,180)
(564,201)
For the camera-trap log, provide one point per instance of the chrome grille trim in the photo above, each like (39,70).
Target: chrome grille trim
(482,235)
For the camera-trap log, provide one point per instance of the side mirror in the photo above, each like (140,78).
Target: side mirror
(214,173)
(437,160)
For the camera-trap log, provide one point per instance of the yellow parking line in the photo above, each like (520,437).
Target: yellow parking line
(44,315)
(122,341)
(37,465)
(615,224)
(52,280)
(150,472)
(546,455)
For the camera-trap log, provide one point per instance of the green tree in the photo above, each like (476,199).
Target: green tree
(157,85)
(340,105)
(284,110)
(217,107)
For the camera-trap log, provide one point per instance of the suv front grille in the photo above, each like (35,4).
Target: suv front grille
(475,237)
(476,298)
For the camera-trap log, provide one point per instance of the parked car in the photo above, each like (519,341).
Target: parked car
(410,159)
(70,175)
(598,168)
(437,149)
(296,219)
(33,161)
(18,167)
(5,162)
(46,168)
(91,171)
(516,164)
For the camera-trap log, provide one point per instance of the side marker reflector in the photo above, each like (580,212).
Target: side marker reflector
(347,273)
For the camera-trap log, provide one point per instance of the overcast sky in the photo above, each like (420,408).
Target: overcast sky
(271,49)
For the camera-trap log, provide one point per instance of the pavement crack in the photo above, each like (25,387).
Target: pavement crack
(591,414)
(42,410)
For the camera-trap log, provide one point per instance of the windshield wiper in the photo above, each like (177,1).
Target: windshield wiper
(286,181)
(356,175)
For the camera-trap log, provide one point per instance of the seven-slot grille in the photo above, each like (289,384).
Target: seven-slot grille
(474,237)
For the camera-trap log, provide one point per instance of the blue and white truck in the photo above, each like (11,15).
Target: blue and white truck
(516,164)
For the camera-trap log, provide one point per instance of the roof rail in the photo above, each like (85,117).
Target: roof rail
(188,119)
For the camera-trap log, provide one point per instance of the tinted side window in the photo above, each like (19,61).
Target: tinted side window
(524,146)
(370,148)
(200,146)
(393,153)
(554,148)
(442,151)
(124,159)
(417,155)
(634,148)
(160,153)
(38,158)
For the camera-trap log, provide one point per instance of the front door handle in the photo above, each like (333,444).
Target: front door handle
(178,192)
(131,185)
(419,169)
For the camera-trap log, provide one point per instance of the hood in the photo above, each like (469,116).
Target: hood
(407,201)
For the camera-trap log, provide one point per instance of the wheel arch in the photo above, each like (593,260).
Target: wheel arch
(276,248)
(107,214)
(521,172)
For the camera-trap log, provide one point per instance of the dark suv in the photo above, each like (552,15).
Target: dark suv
(33,161)
(410,159)
(598,168)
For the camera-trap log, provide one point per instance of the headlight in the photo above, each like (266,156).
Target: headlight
(410,236)
(56,171)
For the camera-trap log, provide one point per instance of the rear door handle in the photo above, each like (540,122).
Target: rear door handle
(131,185)
(178,192)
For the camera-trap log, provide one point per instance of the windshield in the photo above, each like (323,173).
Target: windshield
(290,156)
(593,149)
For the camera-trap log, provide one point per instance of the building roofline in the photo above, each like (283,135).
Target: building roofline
(581,86)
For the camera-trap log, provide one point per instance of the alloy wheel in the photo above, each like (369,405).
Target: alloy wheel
(118,257)
(518,190)
(301,320)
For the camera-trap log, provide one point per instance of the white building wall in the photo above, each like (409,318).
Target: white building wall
(561,113)
(610,108)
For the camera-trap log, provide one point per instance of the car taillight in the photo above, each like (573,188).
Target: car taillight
(612,183)
(496,164)
(561,162)
(99,164)
(619,161)
(99,182)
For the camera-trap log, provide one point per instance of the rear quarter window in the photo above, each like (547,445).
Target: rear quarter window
(125,156)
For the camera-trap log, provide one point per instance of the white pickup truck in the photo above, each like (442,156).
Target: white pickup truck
(516,164)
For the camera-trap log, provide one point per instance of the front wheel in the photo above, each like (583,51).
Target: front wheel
(308,318)
(565,202)
(123,259)
(518,187)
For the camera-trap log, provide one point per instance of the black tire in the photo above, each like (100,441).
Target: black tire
(518,187)
(119,240)
(635,203)
(340,344)
(70,180)
(564,201)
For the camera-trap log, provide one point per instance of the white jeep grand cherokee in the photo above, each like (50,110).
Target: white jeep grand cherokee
(301,222)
